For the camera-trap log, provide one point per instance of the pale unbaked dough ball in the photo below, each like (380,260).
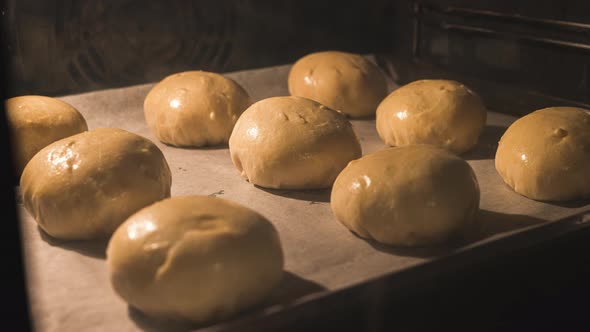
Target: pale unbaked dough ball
(342,81)
(438,112)
(292,143)
(37,121)
(195,258)
(84,186)
(194,108)
(546,155)
(415,195)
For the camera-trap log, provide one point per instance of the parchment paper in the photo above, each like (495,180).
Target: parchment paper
(68,282)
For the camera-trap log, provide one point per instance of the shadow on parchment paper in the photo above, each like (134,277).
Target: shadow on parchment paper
(421,252)
(571,204)
(487,144)
(575,204)
(94,248)
(149,324)
(313,196)
(488,224)
(369,117)
(290,289)
(209,147)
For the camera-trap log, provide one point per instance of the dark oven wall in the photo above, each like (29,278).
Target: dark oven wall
(520,55)
(59,47)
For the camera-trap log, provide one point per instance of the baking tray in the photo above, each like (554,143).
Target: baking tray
(68,282)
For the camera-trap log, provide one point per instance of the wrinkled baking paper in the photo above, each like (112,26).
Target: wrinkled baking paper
(68,283)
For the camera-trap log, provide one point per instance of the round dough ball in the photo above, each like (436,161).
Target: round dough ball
(415,195)
(438,112)
(194,108)
(84,186)
(546,155)
(342,81)
(37,121)
(195,258)
(292,143)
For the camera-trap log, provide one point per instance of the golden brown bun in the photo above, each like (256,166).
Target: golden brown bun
(546,155)
(342,81)
(37,121)
(195,258)
(194,108)
(292,143)
(84,186)
(416,195)
(438,112)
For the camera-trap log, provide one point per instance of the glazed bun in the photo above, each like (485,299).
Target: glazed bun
(546,155)
(195,258)
(84,186)
(438,112)
(194,108)
(342,81)
(37,121)
(415,195)
(292,143)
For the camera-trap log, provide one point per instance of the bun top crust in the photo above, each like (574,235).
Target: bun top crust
(194,108)
(292,143)
(342,81)
(195,257)
(545,155)
(37,121)
(439,112)
(85,185)
(407,196)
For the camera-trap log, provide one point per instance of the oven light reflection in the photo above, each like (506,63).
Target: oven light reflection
(58,157)
(367,181)
(138,229)
(402,115)
(64,159)
(252,133)
(358,184)
(175,103)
